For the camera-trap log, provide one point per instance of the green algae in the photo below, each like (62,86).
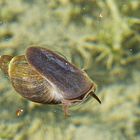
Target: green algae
(100,36)
(116,118)
(109,36)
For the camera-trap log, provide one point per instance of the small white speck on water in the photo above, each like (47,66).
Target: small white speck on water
(84,8)
(100,15)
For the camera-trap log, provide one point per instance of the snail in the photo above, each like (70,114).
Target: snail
(44,76)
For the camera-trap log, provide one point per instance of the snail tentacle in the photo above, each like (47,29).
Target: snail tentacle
(95,96)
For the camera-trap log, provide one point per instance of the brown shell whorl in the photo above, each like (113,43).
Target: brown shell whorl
(4,63)
(28,82)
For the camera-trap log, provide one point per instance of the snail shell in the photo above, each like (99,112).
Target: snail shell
(45,77)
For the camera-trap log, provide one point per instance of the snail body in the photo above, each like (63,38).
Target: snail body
(45,77)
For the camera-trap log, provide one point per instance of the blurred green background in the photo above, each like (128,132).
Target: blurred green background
(101,36)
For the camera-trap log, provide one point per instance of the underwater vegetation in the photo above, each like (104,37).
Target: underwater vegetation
(100,36)
(117,118)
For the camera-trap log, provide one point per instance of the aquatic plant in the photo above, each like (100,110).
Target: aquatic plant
(117,42)
(118,117)
(113,40)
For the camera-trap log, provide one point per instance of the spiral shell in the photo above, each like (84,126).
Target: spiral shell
(45,77)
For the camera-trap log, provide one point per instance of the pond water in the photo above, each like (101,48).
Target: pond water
(100,37)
